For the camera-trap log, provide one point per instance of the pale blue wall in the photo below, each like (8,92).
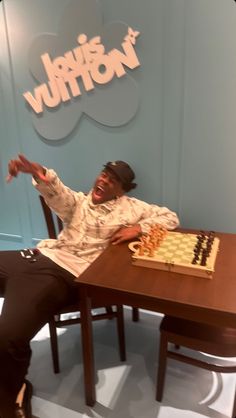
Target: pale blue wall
(181,142)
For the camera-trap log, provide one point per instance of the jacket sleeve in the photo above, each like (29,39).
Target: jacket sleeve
(60,198)
(153,214)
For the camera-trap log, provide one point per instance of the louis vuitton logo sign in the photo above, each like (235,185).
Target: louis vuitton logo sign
(80,69)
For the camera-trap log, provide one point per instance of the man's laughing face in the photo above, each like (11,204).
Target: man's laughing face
(107,186)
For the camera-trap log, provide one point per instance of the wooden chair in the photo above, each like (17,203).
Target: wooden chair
(212,340)
(54,225)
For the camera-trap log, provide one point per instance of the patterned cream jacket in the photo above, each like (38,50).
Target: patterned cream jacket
(88,227)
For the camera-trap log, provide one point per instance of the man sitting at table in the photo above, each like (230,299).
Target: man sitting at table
(38,286)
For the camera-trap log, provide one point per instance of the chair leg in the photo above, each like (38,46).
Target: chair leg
(121,331)
(109,310)
(161,367)
(54,346)
(135,314)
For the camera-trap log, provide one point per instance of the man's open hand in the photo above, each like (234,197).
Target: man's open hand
(22,165)
(126,234)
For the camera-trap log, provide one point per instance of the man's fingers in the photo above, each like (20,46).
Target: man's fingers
(12,168)
(24,160)
(117,239)
(9,178)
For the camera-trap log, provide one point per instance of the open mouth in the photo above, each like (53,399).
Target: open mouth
(98,192)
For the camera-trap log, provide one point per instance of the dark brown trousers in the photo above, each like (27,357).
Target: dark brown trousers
(33,291)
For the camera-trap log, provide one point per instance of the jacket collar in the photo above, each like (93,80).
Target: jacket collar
(106,206)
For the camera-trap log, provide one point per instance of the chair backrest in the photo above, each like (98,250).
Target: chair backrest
(49,218)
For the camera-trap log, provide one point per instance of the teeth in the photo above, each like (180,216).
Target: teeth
(100,188)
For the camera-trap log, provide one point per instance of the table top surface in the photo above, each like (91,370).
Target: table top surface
(216,297)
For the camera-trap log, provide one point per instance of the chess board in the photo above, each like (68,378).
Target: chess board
(176,253)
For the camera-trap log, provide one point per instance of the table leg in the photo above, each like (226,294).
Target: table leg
(87,348)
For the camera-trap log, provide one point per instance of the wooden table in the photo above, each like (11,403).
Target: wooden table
(113,278)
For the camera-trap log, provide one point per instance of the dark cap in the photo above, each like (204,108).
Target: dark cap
(123,172)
